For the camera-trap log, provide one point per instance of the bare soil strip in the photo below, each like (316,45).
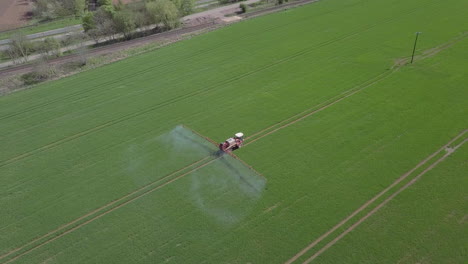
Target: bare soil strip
(365,205)
(384,203)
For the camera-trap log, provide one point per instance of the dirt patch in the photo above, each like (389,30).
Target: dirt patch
(231,19)
(463,220)
(201,20)
(14,13)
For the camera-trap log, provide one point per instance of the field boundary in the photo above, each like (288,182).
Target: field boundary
(445,147)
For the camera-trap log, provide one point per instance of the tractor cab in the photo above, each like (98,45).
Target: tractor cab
(232,143)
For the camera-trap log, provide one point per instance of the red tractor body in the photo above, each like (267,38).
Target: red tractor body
(232,143)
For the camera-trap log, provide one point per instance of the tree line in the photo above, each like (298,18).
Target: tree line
(109,19)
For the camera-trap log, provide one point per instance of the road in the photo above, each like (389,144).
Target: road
(44,34)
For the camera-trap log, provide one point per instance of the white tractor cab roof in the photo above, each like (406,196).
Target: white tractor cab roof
(239,135)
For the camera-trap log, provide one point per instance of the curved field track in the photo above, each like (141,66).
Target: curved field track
(95,167)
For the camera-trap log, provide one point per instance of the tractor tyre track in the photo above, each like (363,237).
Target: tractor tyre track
(109,211)
(328,103)
(373,211)
(369,202)
(104,207)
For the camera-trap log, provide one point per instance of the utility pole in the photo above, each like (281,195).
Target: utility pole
(414,48)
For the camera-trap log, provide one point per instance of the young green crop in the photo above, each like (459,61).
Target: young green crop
(425,223)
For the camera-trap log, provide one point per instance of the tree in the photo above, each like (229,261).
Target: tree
(20,47)
(52,46)
(39,7)
(88,21)
(243,7)
(51,9)
(79,7)
(46,9)
(95,34)
(124,23)
(119,6)
(102,15)
(165,12)
(100,24)
(65,7)
(186,7)
(104,2)
(142,18)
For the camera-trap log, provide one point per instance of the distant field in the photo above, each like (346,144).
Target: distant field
(94,169)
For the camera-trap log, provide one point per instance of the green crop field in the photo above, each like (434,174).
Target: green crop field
(356,155)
